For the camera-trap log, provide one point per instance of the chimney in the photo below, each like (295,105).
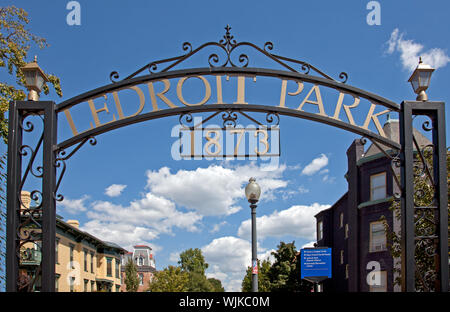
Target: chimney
(74,223)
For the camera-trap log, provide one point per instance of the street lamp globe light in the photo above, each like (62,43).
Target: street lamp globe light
(34,79)
(252,191)
(420,80)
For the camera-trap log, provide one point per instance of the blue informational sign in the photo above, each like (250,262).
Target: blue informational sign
(315,262)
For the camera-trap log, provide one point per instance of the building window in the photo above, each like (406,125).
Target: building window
(117,288)
(92,286)
(92,262)
(72,247)
(378,186)
(72,283)
(319,230)
(141,279)
(108,266)
(346,271)
(57,282)
(382,285)
(346,230)
(341,220)
(85,260)
(342,257)
(86,282)
(117,268)
(141,261)
(56,250)
(377,237)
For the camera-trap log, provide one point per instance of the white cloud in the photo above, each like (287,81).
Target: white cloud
(296,221)
(174,257)
(74,206)
(308,245)
(228,258)
(302,190)
(114,190)
(217,226)
(315,165)
(327,179)
(214,190)
(124,234)
(142,220)
(410,52)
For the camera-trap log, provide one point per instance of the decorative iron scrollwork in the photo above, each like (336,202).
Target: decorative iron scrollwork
(60,162)
(229,45)
(229,119)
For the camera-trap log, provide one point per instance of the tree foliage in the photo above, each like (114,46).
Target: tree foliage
(188,276)
(192,260)
(263,277)
(131,277)
(424,225)
(15,43)
(193,263)
(171,279)
(216,285)
(282,275)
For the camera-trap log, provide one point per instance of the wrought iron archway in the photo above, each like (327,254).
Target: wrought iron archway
(54,154)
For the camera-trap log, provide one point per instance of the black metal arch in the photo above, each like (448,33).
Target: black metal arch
(373,98)
(54,154)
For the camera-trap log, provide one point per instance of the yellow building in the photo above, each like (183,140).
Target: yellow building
(84,263)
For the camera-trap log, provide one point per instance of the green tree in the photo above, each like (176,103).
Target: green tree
(15,43)
(216,285)
(198,282)
(284,274)
(171,279)
(192,260)
(424,224)
(131,277)
(263,277)
(193,263)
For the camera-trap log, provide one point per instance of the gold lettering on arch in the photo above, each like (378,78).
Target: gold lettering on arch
(95,112)
(374,118)
(346,108)
(161,95)
(162,92)
(119,106)
(283,91)
(180,90)
(318,101)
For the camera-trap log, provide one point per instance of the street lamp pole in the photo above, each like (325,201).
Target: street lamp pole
(252,192)
(254,252)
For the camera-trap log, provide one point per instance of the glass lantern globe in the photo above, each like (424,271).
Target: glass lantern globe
(34,79)
(420,80)
(252,191)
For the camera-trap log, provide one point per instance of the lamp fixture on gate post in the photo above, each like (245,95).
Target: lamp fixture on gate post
(420,80)
(34,79)
(252,192)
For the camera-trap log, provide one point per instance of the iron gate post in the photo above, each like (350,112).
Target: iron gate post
(436,112)
(48,198)
(18,111)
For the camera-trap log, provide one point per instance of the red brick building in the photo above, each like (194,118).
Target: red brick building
(142,257)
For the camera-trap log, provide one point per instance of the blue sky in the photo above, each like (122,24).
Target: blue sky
(129,190)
